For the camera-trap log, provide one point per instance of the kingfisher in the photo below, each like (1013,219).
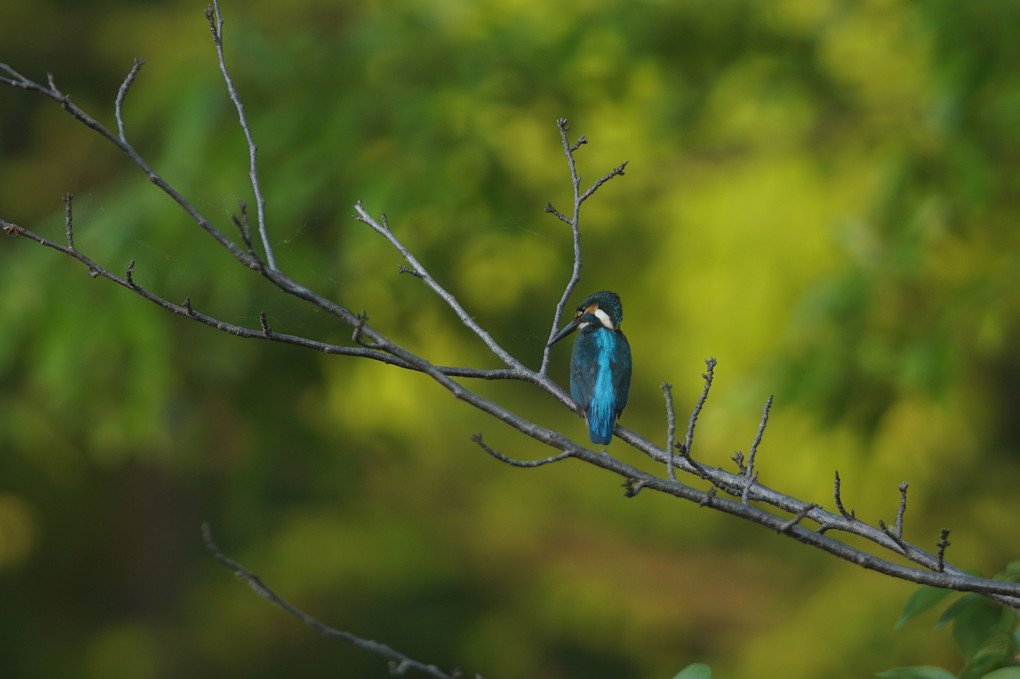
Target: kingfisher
(600,362)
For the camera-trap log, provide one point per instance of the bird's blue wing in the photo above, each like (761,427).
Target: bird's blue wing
(584,369)
(621,371)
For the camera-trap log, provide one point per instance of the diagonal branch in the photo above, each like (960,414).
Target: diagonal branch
(21,82)
(419,271)
(399,663)
(513,462)
(264,332)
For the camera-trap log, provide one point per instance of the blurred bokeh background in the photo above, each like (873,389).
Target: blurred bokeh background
(822,195)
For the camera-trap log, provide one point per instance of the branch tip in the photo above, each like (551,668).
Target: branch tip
(215,18)
(266,331)
(68,220)
(580,142)
(761,432)
(836,494)
(709,494)
(632,487)
(707,376)
(943,543)
(902,510)
(738,457)
(407,269)
(667,391)
(122,93)
(525,464)
(618,170)
(359,326)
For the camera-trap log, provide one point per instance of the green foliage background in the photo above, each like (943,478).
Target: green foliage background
(821,195)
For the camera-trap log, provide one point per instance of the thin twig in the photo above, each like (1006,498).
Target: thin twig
(574,221)
(243,225)
(556,213)
(896,533)
(942,545)
(409,270)
(757,438)
(216,26)
(528,464)
(798,518)
(849,516)
(709,495)
(68,220)
(421,272)
(632,487)
(260,588)
(10,228)
(616,171)
(130,273)
(121,93)
(738,457)
(902,510)
(707,376)
(186,310)
(20,81)
(667,390)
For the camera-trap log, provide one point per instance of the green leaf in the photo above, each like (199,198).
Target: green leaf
(958,607)
(997,651)
(978,627)
(1012,572)
(920,672)
(1004,673)
(921,600)
(695,671)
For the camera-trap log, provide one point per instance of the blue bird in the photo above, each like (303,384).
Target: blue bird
(600,363)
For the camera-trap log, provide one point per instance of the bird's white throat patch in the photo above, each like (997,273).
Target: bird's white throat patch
(604,317)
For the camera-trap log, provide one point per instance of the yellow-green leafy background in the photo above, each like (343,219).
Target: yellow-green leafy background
(822,195)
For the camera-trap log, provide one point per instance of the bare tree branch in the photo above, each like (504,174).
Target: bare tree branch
(212,13)
(19,81)
(761,431)
(419,271)
(942,545)
(747,498)
(708,375)
(575,223)
(121,93)
(399,663)
(477,438)
(667,390)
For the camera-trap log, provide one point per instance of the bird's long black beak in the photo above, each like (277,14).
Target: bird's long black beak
(567,329)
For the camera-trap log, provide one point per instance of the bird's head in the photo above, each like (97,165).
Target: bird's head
(598,309)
